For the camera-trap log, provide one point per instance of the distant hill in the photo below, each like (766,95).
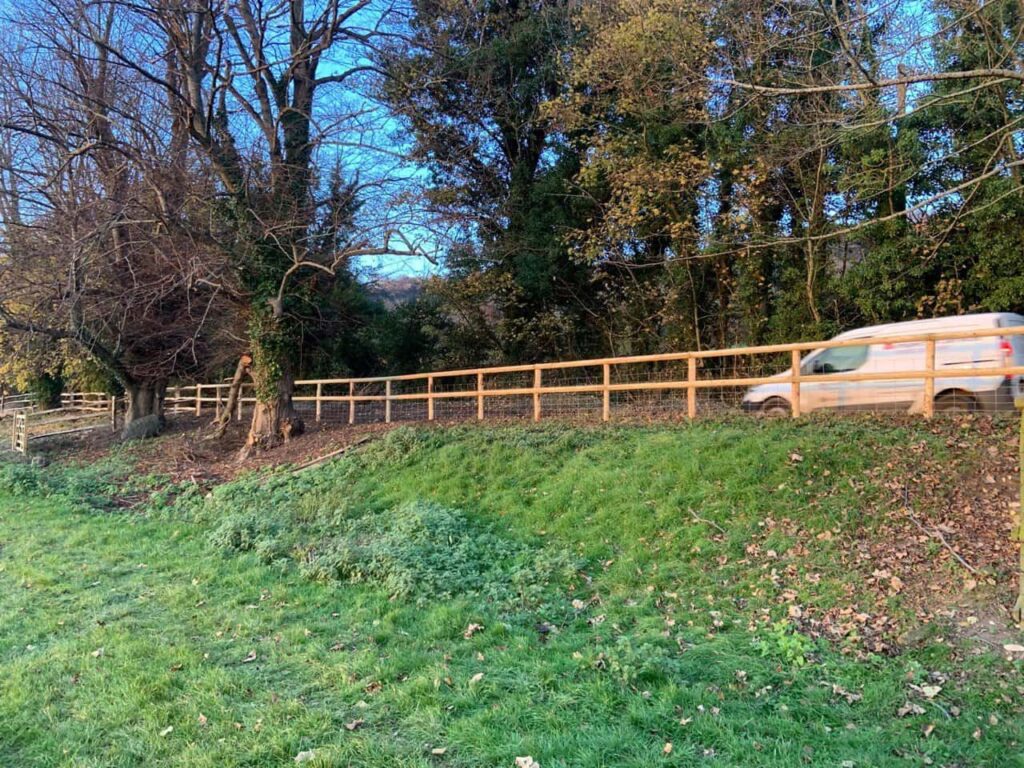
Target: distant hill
(397,290)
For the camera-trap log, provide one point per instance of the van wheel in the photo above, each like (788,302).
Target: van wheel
(956,401)
(775,407)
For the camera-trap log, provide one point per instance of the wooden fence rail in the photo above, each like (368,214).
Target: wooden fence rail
(79,412)
(695,377)
(726,372)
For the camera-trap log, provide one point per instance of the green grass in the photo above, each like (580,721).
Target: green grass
(353,585)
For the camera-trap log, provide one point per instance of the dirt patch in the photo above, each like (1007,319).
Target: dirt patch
(184,451)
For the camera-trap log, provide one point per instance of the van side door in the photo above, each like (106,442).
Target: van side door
(895,394)
(819,392)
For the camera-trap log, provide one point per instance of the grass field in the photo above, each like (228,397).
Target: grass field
(622,596)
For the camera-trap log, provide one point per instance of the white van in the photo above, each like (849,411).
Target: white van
(972,393)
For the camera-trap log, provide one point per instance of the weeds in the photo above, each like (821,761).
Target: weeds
(785,641)
(426,551)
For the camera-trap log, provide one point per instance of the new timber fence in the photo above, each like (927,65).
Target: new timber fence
(918,373)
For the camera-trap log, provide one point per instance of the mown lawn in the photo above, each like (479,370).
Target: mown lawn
(624,582)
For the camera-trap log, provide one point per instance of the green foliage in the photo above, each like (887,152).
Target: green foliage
(243,532)
(46,388)
(633,664)
(19,480)
(785,641)
(429,552)
(103,485)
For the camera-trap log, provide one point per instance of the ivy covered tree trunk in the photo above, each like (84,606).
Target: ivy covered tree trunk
(274,419)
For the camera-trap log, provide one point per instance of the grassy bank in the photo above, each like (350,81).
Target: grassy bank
(623,596)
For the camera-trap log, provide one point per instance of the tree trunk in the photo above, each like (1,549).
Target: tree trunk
(274,420)
(234,392)
(145,398)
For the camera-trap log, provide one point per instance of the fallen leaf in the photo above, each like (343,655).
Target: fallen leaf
(305,757)
(667,749)
(202,719)
(166,731)
(250,657)
(1013,648)
(910,709)
(471,630)
(526,762)
(355,724)
(477,677)
(97,653)
(927,731)
(438,751)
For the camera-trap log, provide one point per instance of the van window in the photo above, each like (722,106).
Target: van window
(838,360)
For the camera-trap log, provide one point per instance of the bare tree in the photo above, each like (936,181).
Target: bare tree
(95,192)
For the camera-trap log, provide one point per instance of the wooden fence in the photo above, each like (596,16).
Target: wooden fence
(10,404)
(79,412)
(688,383)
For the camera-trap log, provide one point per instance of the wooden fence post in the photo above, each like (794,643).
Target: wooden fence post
(929,382)
(238,406)
(319,394)
(199,399)
(217,404)
(387,401)
(606,394)
(430,398)
(794,389)
(536,394)
(480,396)
(691,388)
(113,413)
(351,402)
